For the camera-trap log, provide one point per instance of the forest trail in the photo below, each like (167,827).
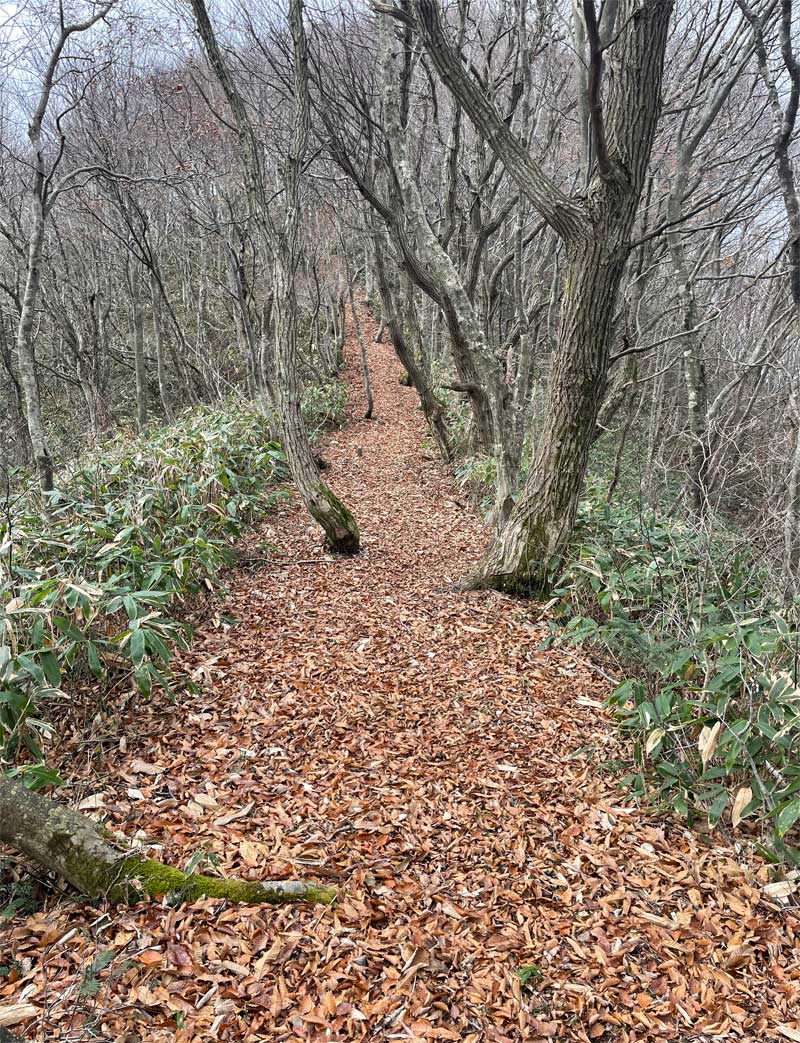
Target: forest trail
(363,724)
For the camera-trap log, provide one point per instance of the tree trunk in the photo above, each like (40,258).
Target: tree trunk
(139,362)
(362,347)
(324,507)
(526,549)
(390,309)
(596,231)
(25,350)
(336,520)
(72,846)
(161,365)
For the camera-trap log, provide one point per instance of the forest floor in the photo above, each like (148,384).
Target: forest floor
(361,723)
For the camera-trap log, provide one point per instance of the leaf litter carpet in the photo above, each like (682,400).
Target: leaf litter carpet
(360,723)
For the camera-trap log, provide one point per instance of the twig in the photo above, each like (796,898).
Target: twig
(283,564)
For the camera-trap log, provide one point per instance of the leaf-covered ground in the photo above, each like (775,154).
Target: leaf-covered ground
(362,724)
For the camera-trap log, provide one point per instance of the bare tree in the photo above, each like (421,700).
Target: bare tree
(43,194)
(282,241)
(596,231)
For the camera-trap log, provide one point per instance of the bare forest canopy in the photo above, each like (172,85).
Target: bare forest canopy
(579,219)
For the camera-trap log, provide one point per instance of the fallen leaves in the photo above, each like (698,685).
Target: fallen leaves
(363,724)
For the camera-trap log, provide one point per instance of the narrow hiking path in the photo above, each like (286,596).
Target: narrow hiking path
(361,723)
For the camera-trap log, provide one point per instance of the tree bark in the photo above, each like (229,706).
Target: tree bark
(71,845)
(139,362)
(362,347)
(597,234)
(161,364)
(392,317)
(25,350)
(337,522)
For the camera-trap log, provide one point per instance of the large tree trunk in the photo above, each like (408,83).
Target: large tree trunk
(524,552)
(72,846)
(596,231)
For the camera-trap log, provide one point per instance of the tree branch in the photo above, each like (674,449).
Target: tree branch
(565,215)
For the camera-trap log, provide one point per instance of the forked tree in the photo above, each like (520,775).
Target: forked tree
(627,49)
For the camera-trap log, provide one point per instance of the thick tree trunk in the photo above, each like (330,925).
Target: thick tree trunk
(525,551)
(596,231)
(72,846)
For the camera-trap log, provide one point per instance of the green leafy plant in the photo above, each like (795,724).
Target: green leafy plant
(87,587)
(711,702)
(90,984)
(323,406)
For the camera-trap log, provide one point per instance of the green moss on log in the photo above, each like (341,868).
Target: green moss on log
(339,524)
(133,877)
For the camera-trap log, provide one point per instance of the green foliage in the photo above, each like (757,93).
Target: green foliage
(476,475)
(90,984)
(533,972)
(323,406)
(712,702)
(85,586)
(17,899)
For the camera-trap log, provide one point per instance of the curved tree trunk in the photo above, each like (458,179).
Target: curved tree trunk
(392,318)
(72,846)
(324,506)
(596,230)
(339,525)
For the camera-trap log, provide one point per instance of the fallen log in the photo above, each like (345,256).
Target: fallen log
(72,845)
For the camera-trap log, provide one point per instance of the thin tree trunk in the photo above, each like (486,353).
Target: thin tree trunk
(25,351)
(139,361)
(391,311)
(161,365)
(332,515)
(362,347)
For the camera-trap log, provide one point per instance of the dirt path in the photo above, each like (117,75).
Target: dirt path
(363,724)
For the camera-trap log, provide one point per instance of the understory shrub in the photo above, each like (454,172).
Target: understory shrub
(711,699)
(86,585)
(323,406)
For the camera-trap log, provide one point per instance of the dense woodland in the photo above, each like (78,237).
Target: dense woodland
(580,253)
(576,226)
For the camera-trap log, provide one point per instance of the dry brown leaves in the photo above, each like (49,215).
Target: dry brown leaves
(363,724)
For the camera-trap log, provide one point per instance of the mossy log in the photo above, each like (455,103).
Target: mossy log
(71,845)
